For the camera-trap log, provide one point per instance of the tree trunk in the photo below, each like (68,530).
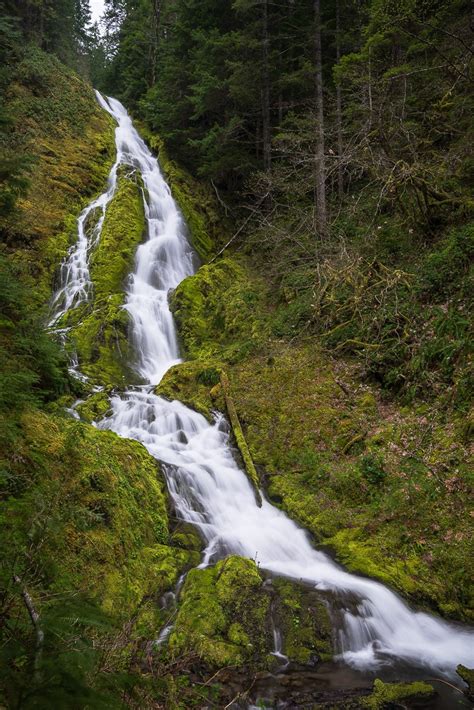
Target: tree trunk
(321,213)
(340,176)
(155,28)
(266,130)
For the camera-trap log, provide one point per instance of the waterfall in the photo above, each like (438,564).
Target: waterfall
(207,487)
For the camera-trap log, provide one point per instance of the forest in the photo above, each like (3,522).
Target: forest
(309,339)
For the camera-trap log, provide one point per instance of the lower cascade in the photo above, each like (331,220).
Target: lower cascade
(207,487)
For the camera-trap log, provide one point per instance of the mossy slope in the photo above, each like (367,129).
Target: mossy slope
(70,142)
(105,510)
(385,486)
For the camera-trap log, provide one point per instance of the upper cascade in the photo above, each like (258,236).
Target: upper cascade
(161,262)
(208,488)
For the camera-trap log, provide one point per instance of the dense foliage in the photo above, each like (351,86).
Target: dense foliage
(336,137)
(339,134)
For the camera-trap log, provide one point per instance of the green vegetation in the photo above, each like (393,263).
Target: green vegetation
(84,512)
(192,383)
(100,328)
(381,484)
(85,516)
(335,329)
(211,326)
(69,142)
(385,694)
(222,615)
(304,622)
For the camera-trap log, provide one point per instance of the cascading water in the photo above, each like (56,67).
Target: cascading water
(206,485)
(75,282)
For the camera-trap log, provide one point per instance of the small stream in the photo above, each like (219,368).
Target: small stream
(377,632)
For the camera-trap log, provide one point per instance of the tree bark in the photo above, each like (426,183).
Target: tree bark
(340,176)
(156,14)
(321,211)
(266,129)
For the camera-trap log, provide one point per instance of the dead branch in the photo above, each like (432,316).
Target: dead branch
(36,621)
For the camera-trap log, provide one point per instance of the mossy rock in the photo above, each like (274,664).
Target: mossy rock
(223,614)
(358,555)
(218,311)
(467,674)
(387,695)
(191,383)
(304,622)
(95,407)
(123,230)
(107,513)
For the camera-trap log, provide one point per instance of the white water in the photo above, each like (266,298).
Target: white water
(75,282)
(207,486)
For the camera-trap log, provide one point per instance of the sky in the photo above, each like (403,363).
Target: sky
(97,8)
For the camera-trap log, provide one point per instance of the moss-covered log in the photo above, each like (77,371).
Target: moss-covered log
(240,438)
(387,695)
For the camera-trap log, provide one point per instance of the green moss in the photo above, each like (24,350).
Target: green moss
(187,538)
(191,383)
(70,140)
(122,232)
(223,614)
(101,343)
(95,407)
(385,694)
(99,334)
(357,553)
(106,513)
(304,622)
(218,311)
(365,477)
(467,674)
(389,504)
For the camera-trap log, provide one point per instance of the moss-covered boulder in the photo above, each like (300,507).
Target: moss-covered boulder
(218,311)
(303,621)
(192,383)
(106,512)
(223,615)
(122,232)
(95,407)
(387,695)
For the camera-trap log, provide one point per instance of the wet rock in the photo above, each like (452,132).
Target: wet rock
(467,674)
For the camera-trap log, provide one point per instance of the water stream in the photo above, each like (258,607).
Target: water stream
(206,484)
